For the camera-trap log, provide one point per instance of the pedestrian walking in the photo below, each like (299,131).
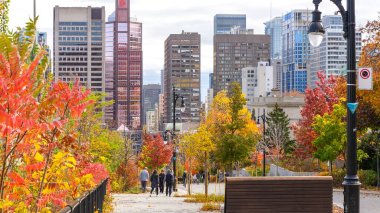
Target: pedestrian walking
(195,179)
(154,182)
(184,177)
(144,177)
(161,179)
(169,183)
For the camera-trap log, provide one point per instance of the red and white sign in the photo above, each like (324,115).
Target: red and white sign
(365,78)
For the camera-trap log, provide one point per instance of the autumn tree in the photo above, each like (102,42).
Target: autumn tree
(369,100)
(277,134)
(331,131)
(197,148)
(232,129)
(318,101)
(4,10)
(155,154)
(42,165)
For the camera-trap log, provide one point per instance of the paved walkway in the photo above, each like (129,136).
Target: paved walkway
(369,202)
(143,203)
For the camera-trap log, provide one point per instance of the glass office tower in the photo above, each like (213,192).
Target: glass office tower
(223,23)
(124,68)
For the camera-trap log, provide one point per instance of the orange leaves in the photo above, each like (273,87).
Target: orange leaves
(38,126)
(34,167)
(155,153)
(318,101)
(16,179)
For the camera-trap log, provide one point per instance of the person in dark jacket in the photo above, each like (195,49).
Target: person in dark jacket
(169,183)
(154,182)
(161,178)
(184,178)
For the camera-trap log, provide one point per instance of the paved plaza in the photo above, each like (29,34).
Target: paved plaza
(143,203)
(370,201)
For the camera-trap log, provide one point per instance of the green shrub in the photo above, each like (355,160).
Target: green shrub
(338,177)
(367,178)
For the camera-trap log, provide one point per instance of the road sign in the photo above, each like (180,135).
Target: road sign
(365,78)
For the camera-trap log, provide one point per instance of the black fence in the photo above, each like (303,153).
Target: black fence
(89,203)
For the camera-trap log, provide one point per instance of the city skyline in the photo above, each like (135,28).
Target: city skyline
(194,16)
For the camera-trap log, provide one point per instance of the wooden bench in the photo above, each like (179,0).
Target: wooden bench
(278,194)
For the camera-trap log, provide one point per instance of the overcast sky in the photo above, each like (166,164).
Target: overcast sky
(163,17)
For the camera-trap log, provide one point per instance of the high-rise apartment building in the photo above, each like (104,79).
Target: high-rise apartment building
(248,84)
(124,68)
(151,94)
(273,28)
(277,73)
(182,70)
(232,53)
(79,46)
(257,82)
(295,50)
(331,56)
(224,23)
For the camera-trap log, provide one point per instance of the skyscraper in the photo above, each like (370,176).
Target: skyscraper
(182,70)
(273,28)
(151,93)
(295,50)
(331,56)
(124,68)
(79,46)
(277,73)
(232,53)
(224,23)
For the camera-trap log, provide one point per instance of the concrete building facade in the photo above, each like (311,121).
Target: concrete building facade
(295,50)
(182,70)
(331,56)
(151,121)
(232,53)
(151,94)
(79,46)
(291,106)
(277,73)
(257,82)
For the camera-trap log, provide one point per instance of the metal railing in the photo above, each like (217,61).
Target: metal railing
(89,203)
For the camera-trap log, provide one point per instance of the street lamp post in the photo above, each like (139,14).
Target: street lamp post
(351,181)
(175,98)
(263,118)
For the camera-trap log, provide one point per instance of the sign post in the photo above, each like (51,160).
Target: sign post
(365,78)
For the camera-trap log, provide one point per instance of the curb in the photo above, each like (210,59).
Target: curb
(361,192)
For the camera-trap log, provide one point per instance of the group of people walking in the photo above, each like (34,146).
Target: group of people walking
(157,181)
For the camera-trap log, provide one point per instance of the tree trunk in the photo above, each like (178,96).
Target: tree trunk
(206,175)
(330,167)
(189,178)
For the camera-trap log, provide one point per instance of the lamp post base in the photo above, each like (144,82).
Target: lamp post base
(351,192)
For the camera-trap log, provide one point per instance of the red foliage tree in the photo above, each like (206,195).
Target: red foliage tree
(155,154)
(318,101)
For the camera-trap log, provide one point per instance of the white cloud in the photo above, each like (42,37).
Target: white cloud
(163,17)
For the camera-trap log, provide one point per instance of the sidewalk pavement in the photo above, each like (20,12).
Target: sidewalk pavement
(143,203)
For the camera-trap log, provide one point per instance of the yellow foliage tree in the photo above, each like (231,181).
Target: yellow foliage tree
(232,129)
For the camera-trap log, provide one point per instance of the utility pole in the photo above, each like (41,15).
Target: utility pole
(34,9)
